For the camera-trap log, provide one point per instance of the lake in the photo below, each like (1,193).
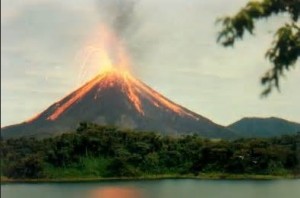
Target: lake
(167,188)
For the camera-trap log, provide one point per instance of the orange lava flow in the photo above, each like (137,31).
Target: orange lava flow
(158,100)
(107,54)
(135,89)
(114,76)
(77,95)
(134,97)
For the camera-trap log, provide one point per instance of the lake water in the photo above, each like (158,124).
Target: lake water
(169,188)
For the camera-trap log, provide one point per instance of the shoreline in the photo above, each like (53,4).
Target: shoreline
(5,180)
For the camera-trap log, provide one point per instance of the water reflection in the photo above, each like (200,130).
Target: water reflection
(115,192)
(157,189)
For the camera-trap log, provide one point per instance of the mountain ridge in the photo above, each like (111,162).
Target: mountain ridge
(264,126)
(117,98)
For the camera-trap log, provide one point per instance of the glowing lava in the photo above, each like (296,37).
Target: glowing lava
(134,90)
(104,52)
(111,59)
(114,97)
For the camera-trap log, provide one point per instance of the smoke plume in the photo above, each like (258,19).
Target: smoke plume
(118,14)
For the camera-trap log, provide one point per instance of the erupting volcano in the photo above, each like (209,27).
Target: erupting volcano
(115,97)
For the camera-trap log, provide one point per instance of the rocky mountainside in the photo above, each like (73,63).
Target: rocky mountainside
(119,99)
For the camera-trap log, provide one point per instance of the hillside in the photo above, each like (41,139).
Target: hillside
(116,98)
(264,127)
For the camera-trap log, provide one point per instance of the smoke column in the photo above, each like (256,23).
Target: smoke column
(117,14)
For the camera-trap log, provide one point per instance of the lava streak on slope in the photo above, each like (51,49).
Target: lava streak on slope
(109,55)
(77,95)
(132,88)
(114,97)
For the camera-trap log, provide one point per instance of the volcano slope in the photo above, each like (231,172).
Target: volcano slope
(117,99)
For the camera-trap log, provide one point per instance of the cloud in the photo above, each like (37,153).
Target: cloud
(172,44)
(39,43)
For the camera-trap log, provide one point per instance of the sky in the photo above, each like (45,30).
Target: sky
(172,45)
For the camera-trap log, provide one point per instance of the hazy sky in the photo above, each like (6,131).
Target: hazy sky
(171,42)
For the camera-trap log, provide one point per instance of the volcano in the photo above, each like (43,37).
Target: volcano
(117,99)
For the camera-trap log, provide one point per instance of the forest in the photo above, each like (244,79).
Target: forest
(105,152)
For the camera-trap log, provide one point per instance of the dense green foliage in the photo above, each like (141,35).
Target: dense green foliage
(95,151)
(285,49)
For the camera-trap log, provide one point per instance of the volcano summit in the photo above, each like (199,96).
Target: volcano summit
(117,98)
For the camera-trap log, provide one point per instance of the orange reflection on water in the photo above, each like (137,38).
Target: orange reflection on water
(115,192)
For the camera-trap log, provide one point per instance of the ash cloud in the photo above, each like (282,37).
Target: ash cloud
(118,14)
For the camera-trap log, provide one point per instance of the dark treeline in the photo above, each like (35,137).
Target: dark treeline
(108,152)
